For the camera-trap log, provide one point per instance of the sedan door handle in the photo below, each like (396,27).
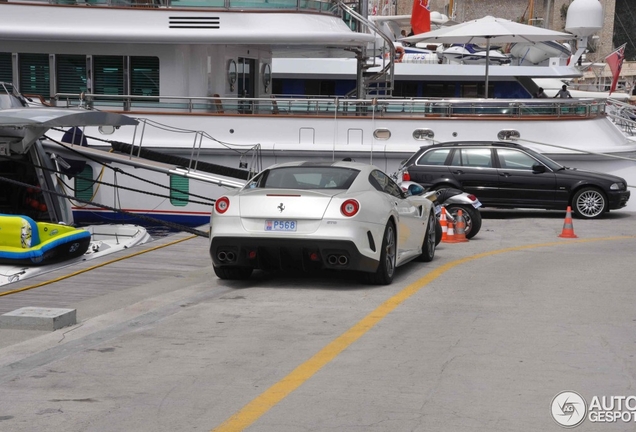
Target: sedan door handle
(505,174)
(458,172)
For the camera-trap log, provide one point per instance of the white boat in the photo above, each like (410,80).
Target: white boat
(539,53)
(473,54)
(199,78)
(105,240)
(30,190)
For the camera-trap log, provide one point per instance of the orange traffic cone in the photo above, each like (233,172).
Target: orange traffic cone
(450,236)
(568,228)
(460,233)
(444,224)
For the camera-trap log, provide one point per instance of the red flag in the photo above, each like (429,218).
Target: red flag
(615,62)
(421,17)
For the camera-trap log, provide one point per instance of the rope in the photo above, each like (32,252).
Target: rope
(138,216)
(115,186)
(120,171)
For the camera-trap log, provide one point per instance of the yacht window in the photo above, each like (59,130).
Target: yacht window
(382,134)
(438,90)
(108,72)
(71,74)
(474,90)
(84,184)
(6,68)
(144,76)
(407,89)
(179,190)
(35,74)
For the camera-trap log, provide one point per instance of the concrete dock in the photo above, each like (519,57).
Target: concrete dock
(481,339)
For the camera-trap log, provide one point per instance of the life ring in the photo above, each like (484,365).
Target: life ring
(399,54)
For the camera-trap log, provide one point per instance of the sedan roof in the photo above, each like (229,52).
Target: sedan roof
(474,144)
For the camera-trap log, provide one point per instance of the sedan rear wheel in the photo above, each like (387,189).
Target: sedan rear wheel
(428,246)
(589,203)
(233,273)
(388,257)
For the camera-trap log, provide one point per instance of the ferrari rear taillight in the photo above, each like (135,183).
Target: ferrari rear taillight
(472,197)
(350,207)
(221,205)
(406,176)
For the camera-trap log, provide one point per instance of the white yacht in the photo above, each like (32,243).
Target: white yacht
(198,77)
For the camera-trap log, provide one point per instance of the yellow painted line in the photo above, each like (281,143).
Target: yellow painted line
(276,393)
(70,275)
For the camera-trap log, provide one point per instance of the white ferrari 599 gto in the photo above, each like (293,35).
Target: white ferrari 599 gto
(312,215)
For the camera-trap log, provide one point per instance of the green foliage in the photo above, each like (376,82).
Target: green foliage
(625,27)
(564,10)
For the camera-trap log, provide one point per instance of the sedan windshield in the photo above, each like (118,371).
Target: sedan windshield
(306,177)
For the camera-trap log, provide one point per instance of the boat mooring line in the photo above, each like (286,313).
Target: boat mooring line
(280,390)
(612,156)
(70,275)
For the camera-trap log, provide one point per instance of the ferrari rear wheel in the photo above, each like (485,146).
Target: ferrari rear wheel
(428,245)
(233,273)
(388,257)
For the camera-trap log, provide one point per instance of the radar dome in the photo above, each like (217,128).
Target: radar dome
(438,18)
(585,17)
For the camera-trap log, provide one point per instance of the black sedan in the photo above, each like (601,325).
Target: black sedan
(509,175)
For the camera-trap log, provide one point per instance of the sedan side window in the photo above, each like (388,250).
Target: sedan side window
(434,157)
(476,157)
(514,159)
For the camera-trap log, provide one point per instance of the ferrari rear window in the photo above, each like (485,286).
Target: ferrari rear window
(306,177)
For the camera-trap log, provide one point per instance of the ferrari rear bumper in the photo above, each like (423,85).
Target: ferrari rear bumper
(297,254)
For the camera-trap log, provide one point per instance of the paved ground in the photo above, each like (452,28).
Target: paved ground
(482,338)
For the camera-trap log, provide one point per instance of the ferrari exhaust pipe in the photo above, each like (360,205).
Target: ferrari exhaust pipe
(222,256)
(230,256)
(343,260)
(332,259)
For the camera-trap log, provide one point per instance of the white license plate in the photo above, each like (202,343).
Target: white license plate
(476,204)
(280,225)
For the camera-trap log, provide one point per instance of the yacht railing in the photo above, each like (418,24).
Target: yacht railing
(313,5)
(340,107)
(623,115)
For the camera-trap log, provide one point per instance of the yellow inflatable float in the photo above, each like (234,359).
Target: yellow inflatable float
(24,241)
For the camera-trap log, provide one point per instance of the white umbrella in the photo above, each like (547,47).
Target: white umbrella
(486,30)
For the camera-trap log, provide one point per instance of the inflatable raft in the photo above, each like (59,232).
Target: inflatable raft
(24,241)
